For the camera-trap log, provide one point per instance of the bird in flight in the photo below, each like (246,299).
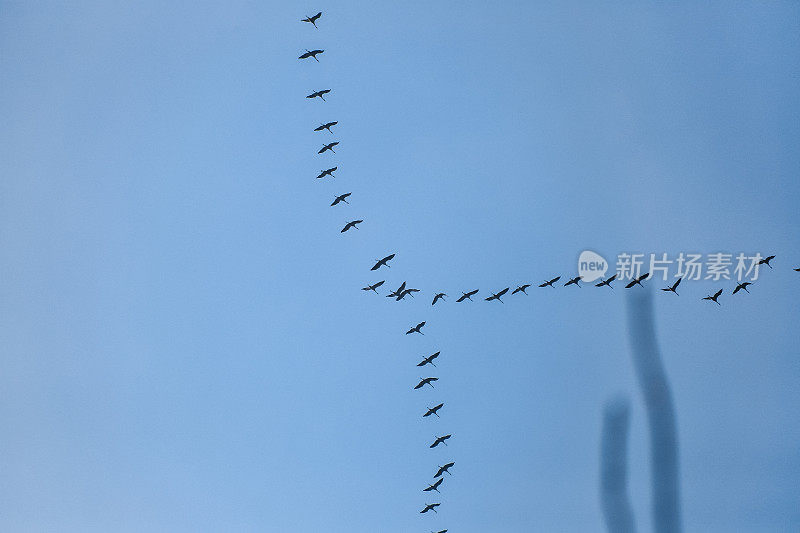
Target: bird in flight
(521,288)
(797,269)
(766,261)
(312,20)
(383,262)
(327,147)
(311,53)
(440,440)
(574,281)
(429,360)
(328,172)
(497,296)
(373,286)
(426,381)
(341,198)
(467,296)
(638,281)
(326,126)
(606,282)
(444,469)
(439,296)
(416,329)
(351,224)
(430,507)
(397,292)
(434,486)
(440,531)
(673,287)
(319,94)
(714,298)
(550,283)
(742,287)
(433,410)
(405,293)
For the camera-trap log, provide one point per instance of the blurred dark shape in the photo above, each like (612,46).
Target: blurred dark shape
(614,467)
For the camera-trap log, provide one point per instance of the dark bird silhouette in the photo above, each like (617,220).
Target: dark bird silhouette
(416,329)
(405,293)
(326,126)
(434,486)
(467,296)
(311,53)
(742,287)
(797,269)
(329,172)
(521,288)
(351,224)
(319,94)
(383,262)
(497,296)
(327,147)
(426,381)
(673,287)
(444,469)
(433,410)
(430,507)
(638,281)
(429,360)
(766,261)
(607,282)
(397,292)
(312,20)
(341,198)
(550,283)
(439,296)
(714,298)
(440,440)
(440,531)
(574,281)
(373,287)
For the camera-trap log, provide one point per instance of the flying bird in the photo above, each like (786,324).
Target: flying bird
(397,292)
(467,296)
(426,381)
(550,283)
(521,288)
(440,531)
(326,126)
(383,262)
(406,293)
(373,286)
(638,281)
(742,286)
(429,360)
(607,282)
(574,281)
(440,440)
(439,296)
(319,94)
(430,507)
(433,410)
(714,298)
(444,469)
(766,261)
(497,296)
(327,147)
(328,172)
(416,329)
(797,269)
(673,287)
(312,20)
(341,198)
(434,486)
(311,53)
(351,224)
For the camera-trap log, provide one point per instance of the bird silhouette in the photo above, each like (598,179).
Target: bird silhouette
(397,292)
(319,94)
(714,298)
(467,296)
(433,410)
(444,469)
(440,531)
(521,288)
(406,292)
(550,283)
(439,296)
(440,440)
(742,287)
(328,172)
(797,269)
(574,281)
(312,20)
(426,381)
(429,360)
(373,286)
(673,287)
(327,147)
(416,329)
(497,296)
(311,53)
(430,507)
(638,281)
(606,283)
(434,486)
(341,198)
(383,262)
(327,126)
(351,224)
(766,261)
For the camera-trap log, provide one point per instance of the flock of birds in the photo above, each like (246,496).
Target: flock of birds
(403,290)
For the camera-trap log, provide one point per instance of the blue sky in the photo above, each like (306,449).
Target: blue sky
(186,347)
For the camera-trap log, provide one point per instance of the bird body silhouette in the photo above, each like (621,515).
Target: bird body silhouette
(440,440)
(425,381)
(714,298)
(550,283)
(327,126)
(416,329)
(673,287)
(444,469)
(311,53)
(429,360)
(467,296)
(341,198)
(521,288)
(607,283)
(328,172)
(574,281)
(439,296)
(434,486)
(319,94)
(312,20)
(496,296)
(373,287)
(327,147)
(430,507)
(766,261)
(742,287)
(638,281)
(433,410)
(351,224)
(383,262)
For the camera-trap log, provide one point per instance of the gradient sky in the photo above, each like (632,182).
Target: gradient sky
(185,345)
